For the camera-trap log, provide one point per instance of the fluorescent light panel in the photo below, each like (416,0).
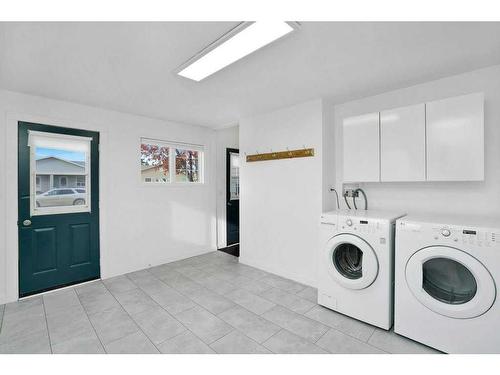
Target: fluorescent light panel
(251,38)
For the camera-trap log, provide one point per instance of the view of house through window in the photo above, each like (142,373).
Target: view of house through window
(60,178)
(185,165)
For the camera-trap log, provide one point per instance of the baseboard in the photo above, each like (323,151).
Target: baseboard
(305,281)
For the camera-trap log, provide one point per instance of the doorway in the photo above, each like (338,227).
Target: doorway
(58,207)
(232,201)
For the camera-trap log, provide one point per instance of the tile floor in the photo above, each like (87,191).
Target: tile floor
(205,304)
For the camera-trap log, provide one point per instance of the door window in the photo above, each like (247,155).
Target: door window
(234,183)
(448,281)
(59,164)
(348,260)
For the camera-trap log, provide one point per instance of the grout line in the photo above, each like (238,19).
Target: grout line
(274,334)
(371,335)
(130,316)
(226,267)
(90,321)
(170,314)
(47,324)
(324,333)
(241,332)
(204,308)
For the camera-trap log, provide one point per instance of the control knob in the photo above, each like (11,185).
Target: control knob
(349,222)
(445,232)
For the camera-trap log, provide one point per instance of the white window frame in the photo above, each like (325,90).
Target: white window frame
(172,146)
(39,211)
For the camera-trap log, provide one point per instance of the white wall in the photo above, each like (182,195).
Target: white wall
(281,200)
(480,198)
(141,225)
(225,138)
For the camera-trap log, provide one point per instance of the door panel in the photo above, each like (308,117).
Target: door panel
(45,249)
(232,197)
(80,244)
(58,244)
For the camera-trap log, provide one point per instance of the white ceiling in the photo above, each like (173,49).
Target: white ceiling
(129,66)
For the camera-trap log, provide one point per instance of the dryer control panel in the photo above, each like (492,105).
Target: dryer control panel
(455,234)
(465,236)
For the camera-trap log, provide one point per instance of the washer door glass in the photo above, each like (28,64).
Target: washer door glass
(448,281)
(351,261)
(348,260)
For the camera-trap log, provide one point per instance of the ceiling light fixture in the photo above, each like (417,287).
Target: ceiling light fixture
(241,41)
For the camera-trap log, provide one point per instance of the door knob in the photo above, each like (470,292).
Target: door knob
(27,223)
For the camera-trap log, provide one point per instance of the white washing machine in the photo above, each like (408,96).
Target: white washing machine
(447,271)
(356,264)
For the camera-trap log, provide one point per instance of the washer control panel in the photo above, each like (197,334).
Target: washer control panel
(357,225)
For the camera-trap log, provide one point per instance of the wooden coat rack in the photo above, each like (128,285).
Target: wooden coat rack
(289,154)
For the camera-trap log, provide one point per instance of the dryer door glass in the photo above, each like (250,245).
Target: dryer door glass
(448,281)
(348,260)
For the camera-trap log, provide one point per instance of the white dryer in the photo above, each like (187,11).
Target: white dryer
(446,277)
(356,264)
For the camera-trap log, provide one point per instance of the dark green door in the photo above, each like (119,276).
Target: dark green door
(232,197)
(58,200)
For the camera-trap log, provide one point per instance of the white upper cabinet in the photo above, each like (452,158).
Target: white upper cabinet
(361,148)
(455,139)
(402,144)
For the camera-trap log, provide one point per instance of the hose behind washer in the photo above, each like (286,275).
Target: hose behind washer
(359,190)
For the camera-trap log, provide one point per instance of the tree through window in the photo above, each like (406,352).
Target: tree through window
(157,165)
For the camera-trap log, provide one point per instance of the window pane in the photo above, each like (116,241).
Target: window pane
(187,165)
(234,183)
(154,163)
(57,173)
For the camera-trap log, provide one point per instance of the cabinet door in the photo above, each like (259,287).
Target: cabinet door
(455,139)
(361,148)
(402,144)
